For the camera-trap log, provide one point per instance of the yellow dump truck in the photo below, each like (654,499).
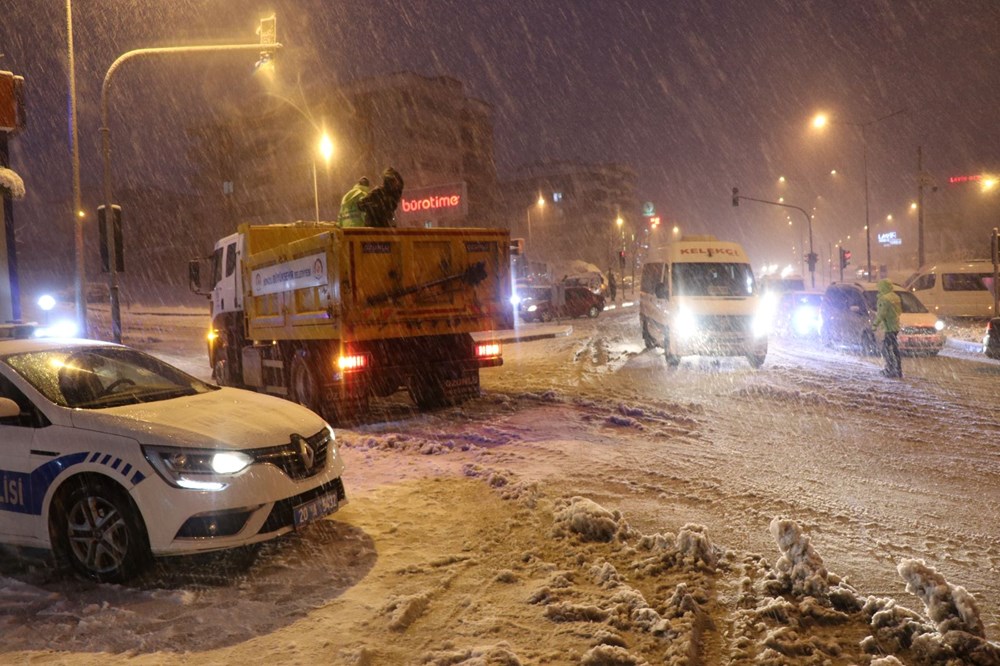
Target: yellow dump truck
(328,317)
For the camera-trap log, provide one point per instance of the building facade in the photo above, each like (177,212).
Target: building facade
(566,211)
(264,167)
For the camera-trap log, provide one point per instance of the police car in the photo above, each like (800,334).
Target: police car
(110,457)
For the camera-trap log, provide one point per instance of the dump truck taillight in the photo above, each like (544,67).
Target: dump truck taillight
(488,350)
(352,362)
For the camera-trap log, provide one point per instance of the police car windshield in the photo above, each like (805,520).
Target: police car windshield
(100,377)
(712,279)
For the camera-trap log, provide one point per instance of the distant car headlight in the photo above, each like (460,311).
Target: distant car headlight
(939,325)
(532,308)
(685,323)
(515,300)
(806,320)
(64,328)
(196,469)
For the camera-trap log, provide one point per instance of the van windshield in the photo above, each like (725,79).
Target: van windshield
(712,279)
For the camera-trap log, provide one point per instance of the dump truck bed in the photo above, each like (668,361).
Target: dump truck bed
(309,282)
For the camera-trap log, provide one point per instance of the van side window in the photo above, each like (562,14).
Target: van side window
(651,276)
(924,282)
(230,259)
(963,282)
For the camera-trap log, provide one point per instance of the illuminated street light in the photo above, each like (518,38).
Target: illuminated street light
(267,46)
(820,121)
(541,204)
(325,149)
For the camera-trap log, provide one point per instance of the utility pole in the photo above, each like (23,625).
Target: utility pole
(921,181)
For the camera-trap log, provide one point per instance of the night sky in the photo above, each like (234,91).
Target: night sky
(697,95)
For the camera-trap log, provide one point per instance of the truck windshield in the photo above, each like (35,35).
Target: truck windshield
(712,279)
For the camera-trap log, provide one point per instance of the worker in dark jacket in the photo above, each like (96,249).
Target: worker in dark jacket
(379,205)
(888,308)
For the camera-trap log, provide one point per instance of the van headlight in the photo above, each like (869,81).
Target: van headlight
(196,469)
(685,323)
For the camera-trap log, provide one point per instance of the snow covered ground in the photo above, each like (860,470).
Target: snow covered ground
(597,507)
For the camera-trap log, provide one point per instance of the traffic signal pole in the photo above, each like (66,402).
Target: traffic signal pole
(811,259)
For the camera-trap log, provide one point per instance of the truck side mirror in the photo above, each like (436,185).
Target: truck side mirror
(194,277)
(661,290)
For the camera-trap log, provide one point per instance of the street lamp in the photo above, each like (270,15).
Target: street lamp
(820,121)
(541,204)
(266,47)
(325,149)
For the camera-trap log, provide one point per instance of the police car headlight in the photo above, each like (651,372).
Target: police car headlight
(196,469)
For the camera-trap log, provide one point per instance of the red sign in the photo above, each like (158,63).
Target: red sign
(429,204)
(966,179)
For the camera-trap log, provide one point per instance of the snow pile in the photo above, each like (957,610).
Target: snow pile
(493,655)
(588,519)
(504,482)
(11,183)
(954,634)
(440,444)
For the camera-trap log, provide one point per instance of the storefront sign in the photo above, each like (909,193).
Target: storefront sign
(889,238)
(432,203)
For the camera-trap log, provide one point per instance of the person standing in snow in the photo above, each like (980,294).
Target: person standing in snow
(350,215)
(888,308)
(612,286)
(379,205)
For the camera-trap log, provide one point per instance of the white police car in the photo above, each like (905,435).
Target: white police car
(109,457)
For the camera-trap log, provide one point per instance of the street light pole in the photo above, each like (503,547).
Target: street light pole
(113,286)
(812,255)
(80,280)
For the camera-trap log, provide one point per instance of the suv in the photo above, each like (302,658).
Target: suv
(548,303)
(848,311)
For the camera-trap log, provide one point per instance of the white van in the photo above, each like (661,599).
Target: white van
(698,297)
(955,289)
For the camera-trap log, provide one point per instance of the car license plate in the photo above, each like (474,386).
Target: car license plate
(315,509)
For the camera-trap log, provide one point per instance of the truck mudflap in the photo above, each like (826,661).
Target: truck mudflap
(443,386)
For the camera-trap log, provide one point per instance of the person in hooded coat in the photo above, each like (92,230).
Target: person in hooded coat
(350,214)
(379,205)
(888,308)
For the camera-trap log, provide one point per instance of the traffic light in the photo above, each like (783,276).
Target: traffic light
(621,258)
(736,196)
(811,259)
(845,257)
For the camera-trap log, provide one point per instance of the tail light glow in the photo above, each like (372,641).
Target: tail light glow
(488,350)
(352,362)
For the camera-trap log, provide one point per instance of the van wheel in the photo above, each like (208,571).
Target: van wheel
(756,360)
(98,532)
(672,361)
(868,346)
(646,337)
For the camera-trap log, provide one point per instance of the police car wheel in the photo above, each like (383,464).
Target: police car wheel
(98,533)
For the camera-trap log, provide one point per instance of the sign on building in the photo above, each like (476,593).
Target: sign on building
(889,238)
(433,206)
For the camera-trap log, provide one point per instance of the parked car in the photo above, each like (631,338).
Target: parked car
(797,314)
(848,311)
(112,457)
(557,301)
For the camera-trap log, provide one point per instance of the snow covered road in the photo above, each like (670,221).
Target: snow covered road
(463,541)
